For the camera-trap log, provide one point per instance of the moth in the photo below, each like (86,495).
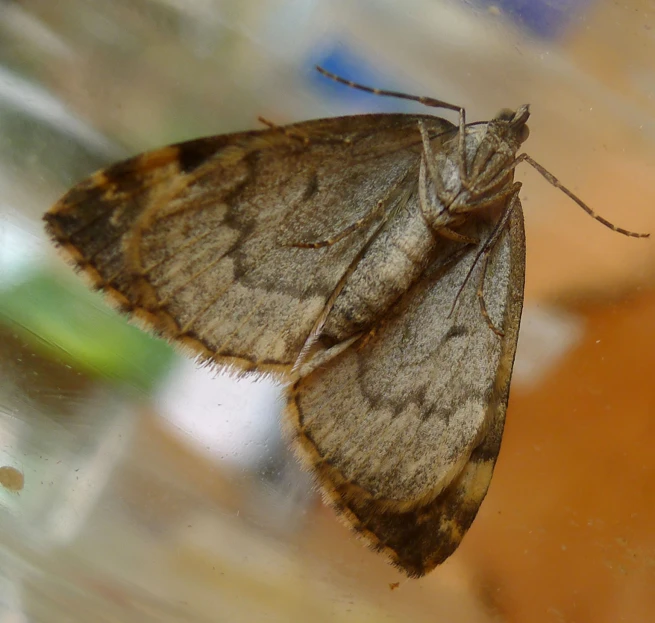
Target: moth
(374,264)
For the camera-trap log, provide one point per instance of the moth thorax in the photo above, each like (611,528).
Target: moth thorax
(489,160)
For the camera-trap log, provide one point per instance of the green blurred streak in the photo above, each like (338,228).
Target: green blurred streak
(65,321)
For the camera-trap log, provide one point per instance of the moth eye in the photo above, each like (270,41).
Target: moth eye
(525,134)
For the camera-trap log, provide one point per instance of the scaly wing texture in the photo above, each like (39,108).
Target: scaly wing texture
(196,240)
(404,429)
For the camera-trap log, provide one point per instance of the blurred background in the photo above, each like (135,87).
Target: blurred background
(135,486)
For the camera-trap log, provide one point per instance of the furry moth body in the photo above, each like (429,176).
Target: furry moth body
(373,263)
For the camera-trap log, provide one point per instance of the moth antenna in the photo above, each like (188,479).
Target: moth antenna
(267,123)
(426,101)
(349,229)
(551,179)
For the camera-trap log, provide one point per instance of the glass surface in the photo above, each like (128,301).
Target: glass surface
(137,486)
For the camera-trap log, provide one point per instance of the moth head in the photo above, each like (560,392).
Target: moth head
(517,120)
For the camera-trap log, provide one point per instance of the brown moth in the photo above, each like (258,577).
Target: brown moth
(374,264)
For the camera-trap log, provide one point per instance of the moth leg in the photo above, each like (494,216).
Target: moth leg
(290,133)
(500,180)
(435,217)
(485,249)
(428,156)
(300,136)
(399,193)
(446,232)
(480,295)
(328,242)
(434,213)
(461,148)
(371,215)
(488,201)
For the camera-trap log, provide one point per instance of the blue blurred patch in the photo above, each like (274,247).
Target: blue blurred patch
(346,64)
(547,19)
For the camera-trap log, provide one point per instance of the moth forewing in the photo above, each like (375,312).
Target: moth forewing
(404,428)
(198,240)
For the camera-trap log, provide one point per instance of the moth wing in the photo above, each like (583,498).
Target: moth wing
(196,240)
(403,430)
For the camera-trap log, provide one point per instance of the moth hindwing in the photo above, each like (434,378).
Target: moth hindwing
(374,263)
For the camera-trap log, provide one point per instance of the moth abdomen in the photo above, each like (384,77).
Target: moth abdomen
(390,265)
